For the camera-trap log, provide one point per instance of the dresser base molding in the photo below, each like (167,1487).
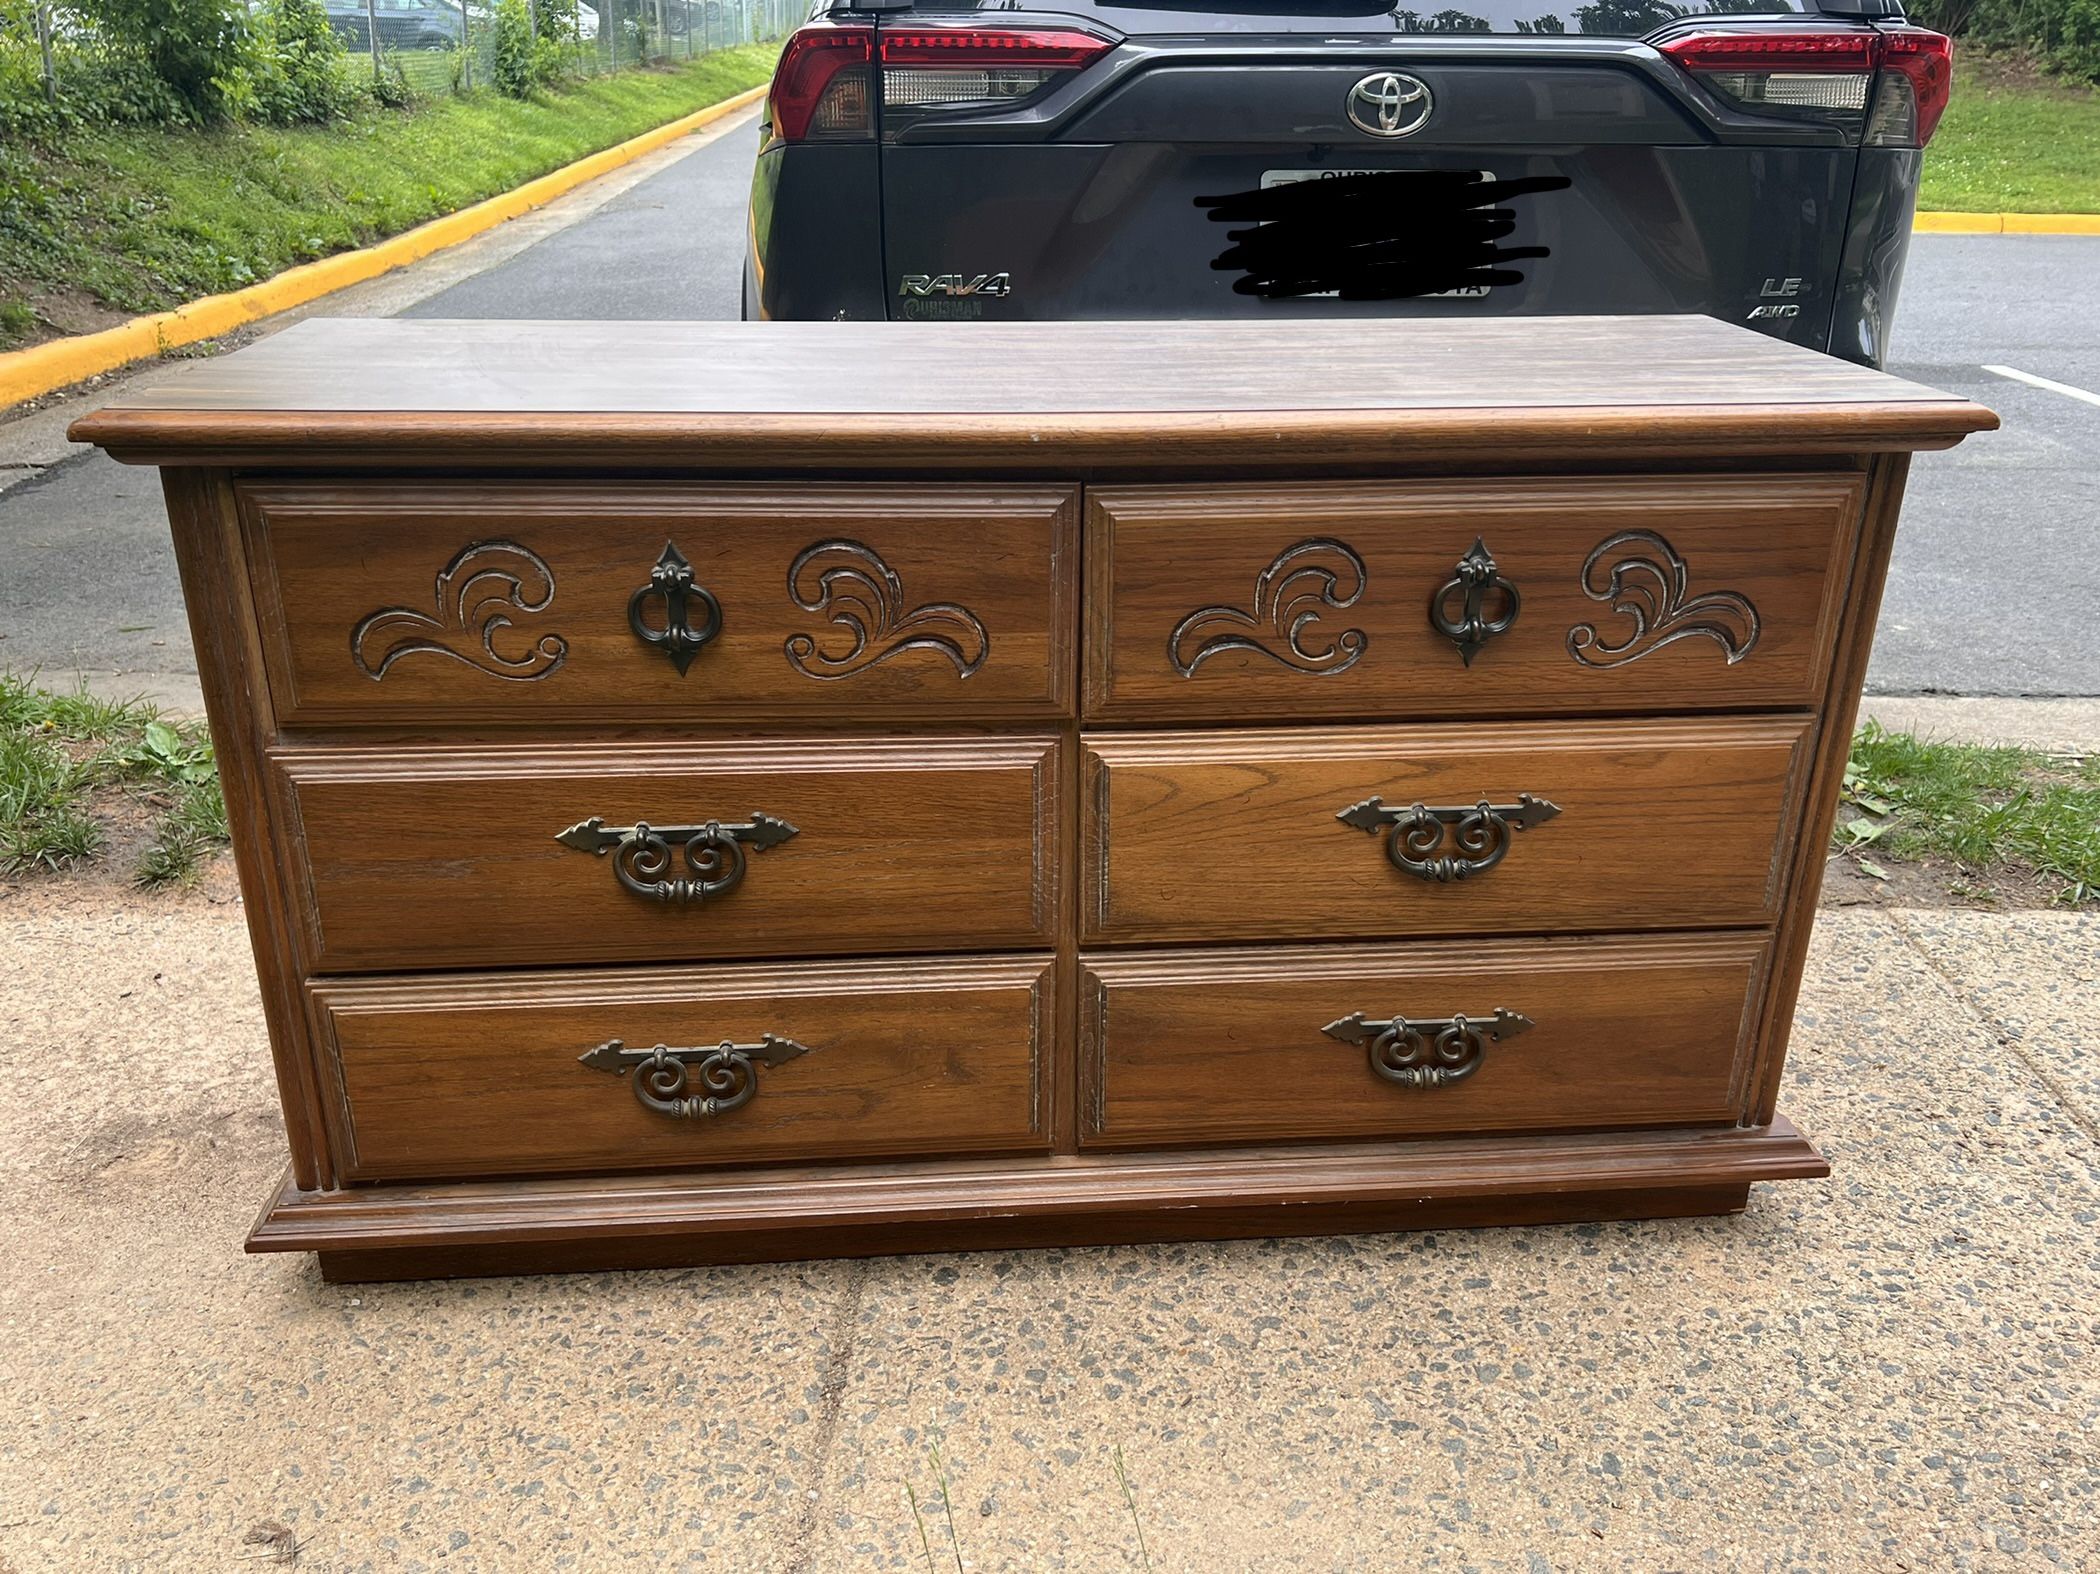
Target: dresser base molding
(468,1228)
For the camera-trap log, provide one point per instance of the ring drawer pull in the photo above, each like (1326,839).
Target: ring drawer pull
(1429,1052)
(1479,834)
(714,853)
(672,581)
(1475,580)
(729,1072)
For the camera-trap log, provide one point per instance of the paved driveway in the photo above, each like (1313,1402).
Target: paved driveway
(1996,576)
(1991,592)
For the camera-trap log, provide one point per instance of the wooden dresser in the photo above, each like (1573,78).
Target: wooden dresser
(722,792)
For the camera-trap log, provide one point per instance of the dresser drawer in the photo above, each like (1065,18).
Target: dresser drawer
(531,855)
(1312,833)
(503,1074)
(1350,599)
(1364,1041)
(392,601)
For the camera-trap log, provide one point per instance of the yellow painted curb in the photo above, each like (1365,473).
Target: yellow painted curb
(2007,224)
(26,373)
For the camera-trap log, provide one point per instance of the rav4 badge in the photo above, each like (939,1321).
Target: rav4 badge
(924,285)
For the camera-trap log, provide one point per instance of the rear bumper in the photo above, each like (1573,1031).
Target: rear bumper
(815,249)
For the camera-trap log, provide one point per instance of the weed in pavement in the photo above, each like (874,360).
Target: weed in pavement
(43,821)
(63,756)
(1977,807)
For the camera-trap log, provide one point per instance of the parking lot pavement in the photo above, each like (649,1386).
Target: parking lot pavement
(1892,1368)
(1997,565)
(1991,591)
(669,249)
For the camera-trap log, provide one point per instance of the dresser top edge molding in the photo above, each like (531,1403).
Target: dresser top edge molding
(881,397)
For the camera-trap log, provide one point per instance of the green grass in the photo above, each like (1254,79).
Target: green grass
(1981,808)
(43,820)
(144,219)
(65,758)
(2012,142)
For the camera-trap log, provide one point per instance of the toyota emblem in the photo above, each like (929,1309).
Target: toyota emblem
(1389,104)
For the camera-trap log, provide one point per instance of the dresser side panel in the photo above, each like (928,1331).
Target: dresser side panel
(1840,712)
(204,523)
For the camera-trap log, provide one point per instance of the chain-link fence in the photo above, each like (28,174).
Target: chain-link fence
(437,46)
(407,48)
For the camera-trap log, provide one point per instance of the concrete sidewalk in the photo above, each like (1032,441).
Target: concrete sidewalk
(1895,1368)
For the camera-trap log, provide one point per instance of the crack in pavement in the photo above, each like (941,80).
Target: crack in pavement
(844,1341)
(2008,1039)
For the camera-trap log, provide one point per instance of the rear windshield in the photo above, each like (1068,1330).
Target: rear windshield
(1605,18)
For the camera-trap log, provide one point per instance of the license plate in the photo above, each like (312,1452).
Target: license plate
(1291,177)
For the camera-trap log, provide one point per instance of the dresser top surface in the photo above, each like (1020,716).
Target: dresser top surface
(1067,389)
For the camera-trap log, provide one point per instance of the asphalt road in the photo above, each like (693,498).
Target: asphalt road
(1992,590)
(1996,576)
(671,248)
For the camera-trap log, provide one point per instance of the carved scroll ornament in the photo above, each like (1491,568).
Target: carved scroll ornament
(476,595)
(1291,598)
(1645,581)
(858,592)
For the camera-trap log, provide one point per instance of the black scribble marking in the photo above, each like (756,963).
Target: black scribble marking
(1377,237)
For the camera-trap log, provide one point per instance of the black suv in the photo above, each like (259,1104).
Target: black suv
(1752,159)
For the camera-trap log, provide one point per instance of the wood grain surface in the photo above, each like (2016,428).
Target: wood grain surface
(872,601)
(1022,1232)
(478,1074)
(1290,601)
(1234,836)
(1224,1047)
(956,1205)
(1808,855)
(216,599)
(436,857)
(881,395)
(410,551)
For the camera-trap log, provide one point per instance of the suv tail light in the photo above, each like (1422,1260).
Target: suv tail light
(823,88)
(1828,71)
(1917,75)
(970,67)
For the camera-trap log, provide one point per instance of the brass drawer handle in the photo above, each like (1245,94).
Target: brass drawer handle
(729,1072)
(672,582)
(714,854)
(1479,834)
(1470,586)
(1429,1052)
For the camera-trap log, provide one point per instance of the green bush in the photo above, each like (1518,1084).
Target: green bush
(391,88)
(298,65)
(197,48)
(513,53)
(23,104)
(2064,34)
(529,49)
(98,81)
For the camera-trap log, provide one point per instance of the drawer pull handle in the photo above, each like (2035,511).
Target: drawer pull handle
(728,1072)
(714,854)
(1478,834)
(672,582)
(1470,587)
(1429,1052)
